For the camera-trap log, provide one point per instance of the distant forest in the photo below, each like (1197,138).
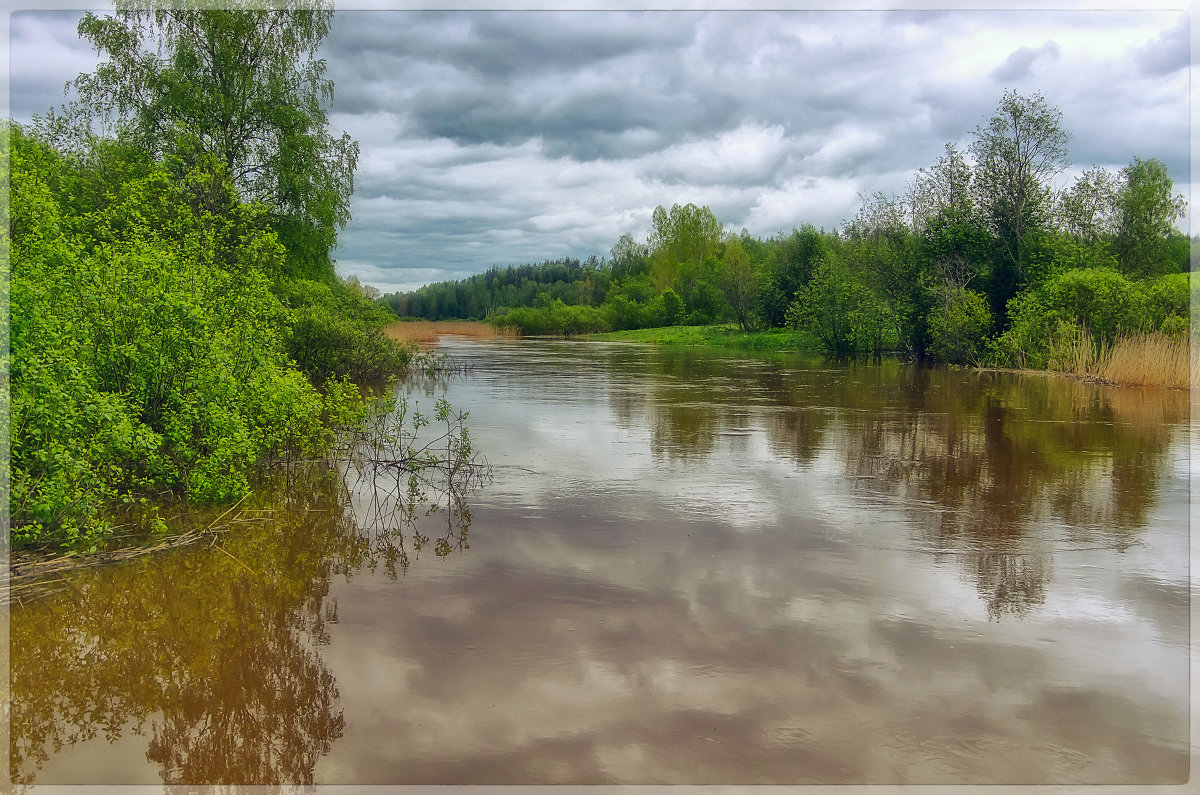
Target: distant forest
(981,259)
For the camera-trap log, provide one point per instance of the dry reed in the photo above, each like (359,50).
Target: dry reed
(1151,360)
(420,333)
(426,332)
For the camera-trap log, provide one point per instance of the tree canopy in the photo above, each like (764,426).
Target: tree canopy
(242,87)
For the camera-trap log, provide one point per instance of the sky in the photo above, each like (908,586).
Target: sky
(498,137)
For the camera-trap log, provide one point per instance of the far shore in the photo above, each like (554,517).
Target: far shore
(1138,361)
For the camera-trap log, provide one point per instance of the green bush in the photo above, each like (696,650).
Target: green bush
(1101,301)
(327,344)
(335,332)
(1167,302)
(556,318)
(959,327)
(839,310)
(621,313)
(147,347)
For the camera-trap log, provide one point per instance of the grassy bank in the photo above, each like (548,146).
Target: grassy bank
(1138,360)
(723,335)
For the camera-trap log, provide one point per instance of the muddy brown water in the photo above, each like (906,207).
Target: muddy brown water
(690,568)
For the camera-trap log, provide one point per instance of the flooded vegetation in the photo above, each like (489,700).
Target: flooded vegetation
(689,567)
(427,332)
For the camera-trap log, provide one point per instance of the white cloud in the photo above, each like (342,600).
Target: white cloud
(506,137)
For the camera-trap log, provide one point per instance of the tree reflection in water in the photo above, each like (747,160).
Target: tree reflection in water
(984,464)
(215,651)
(1018,469)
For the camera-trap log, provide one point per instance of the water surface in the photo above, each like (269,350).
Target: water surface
(690,567)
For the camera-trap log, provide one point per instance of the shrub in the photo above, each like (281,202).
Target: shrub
(335,332)
(839,310)
(620,313)
(1099,300)
(147,348)
(1166,301)
(959,327)
(327,344)
(557,318)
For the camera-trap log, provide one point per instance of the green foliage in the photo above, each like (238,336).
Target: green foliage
(637,289)
(737,282)
(686,235)
(1167,302)
(724,335)
(148,348)
(482,295)
(629,258)
(957,246)
(670,307)
(1086,210)
(945,190)
(959,326)
(907,273)
(904,282)
(244,88)
(621,313)
(699,289)
(1020,149)
(839,309)
(325,343)
(1098,299)
(1053,253)
(557,319)
(788,267)
(172,293)
(336,332)
(1101,301)
(1147,209)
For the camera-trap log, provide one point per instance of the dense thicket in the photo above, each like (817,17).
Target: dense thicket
(175,319)
(988,256)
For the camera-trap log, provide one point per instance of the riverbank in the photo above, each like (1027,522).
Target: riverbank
(1143,360)
(725,335)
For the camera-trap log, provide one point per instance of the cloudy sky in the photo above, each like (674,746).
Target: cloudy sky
(502,137)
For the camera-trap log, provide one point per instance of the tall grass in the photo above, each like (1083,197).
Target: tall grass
(1073,350)
(426,332)
(1152,359)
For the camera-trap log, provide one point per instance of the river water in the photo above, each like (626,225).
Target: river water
(690,567)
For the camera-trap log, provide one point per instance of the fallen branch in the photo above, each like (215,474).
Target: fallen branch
(28,570)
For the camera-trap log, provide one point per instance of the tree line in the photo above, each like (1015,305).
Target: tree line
(984,257)
(175,316)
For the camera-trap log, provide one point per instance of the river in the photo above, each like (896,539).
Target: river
(690,567)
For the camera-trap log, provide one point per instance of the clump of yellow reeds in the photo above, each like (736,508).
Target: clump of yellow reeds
(1152,359)
(421,333)
(426,332)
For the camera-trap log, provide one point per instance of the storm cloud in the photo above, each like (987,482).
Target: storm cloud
(500,137)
